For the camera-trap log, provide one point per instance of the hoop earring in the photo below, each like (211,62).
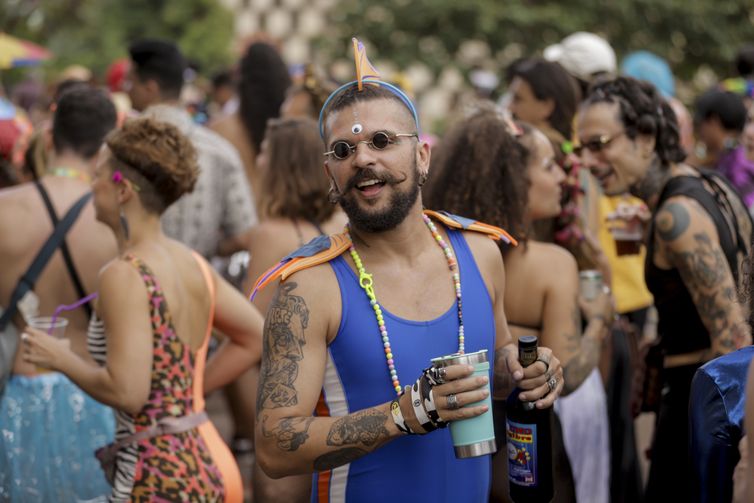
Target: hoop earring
(333,195)
(124,225)
(423,178)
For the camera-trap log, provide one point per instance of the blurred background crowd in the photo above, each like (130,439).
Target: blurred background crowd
(245,80)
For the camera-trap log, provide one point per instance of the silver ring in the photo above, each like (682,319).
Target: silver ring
(452,402)
(552,383)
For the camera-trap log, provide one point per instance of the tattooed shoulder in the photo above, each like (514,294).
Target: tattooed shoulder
(672,220)
(284,338)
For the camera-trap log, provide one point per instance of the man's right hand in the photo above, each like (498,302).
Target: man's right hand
(451,398)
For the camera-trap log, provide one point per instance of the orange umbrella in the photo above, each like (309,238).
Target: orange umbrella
(15,52)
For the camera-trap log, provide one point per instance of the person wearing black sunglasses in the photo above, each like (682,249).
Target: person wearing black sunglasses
(359,315)
(698,236)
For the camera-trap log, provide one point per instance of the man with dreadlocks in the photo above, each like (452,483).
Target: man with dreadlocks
(345,331)
(699,236)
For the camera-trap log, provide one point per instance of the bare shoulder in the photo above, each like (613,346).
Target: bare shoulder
(17,205)
(552,257)
(13,202)
(489,261)
(270,229)
(224,126)
(272,240)
(485,250)
(119,276)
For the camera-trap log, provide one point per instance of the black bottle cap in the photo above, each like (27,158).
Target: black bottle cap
(527,350)
(527,341)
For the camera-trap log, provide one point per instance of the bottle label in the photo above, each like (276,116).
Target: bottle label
(522,454)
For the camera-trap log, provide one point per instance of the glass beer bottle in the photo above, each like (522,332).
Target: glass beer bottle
(529,440)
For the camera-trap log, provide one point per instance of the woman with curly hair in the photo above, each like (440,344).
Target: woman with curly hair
(505,174)
(699,235)
(158,302)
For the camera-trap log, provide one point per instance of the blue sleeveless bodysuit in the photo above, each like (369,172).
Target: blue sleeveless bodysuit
(410,468)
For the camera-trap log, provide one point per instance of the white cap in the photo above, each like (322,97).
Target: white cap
(583,54)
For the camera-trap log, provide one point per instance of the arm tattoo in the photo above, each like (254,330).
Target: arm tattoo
(704,266)
(573,338)
(703,271)
(501,376)
(284,339)
(581,365)
(672,221)
(290,433)
(366,427)
(337,458)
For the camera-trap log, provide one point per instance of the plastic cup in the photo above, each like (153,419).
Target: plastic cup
(51,326)
(628,238)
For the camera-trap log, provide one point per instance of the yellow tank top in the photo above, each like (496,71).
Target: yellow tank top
(629,289)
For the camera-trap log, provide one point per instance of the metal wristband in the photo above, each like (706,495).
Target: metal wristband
(400,422)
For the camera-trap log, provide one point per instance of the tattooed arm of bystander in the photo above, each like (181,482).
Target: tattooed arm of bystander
(689,241)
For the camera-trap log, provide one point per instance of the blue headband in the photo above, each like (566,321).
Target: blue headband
(390,87)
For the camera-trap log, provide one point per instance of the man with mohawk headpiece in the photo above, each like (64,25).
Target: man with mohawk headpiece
(358,315)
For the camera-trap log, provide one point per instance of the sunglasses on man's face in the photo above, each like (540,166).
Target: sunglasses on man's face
(596,145)
(380,140)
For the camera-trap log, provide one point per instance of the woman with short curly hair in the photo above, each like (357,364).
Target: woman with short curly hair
(158,302)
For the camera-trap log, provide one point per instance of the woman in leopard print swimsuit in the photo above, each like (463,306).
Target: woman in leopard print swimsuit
(157,305)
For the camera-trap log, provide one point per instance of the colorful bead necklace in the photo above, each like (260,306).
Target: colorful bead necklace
(71,173)
(365,281)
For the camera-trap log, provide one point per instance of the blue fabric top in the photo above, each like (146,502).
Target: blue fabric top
(410,468)
(716,414)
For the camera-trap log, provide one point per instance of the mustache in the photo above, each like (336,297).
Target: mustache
(369,174)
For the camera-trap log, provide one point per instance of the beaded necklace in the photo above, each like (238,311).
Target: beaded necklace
(366,283)
(71,173)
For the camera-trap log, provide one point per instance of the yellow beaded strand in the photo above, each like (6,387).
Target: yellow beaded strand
(367,284)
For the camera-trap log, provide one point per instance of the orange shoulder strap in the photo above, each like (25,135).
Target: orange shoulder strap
(467,224)
(318,251)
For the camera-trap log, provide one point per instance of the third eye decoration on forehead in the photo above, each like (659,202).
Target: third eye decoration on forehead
(366,74)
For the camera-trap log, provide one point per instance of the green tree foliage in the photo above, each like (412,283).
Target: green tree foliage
(96,32)
(689,33)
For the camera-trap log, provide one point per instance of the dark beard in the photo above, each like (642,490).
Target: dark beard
(649,188)
(400,204)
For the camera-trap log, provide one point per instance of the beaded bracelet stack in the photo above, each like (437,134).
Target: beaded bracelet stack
(423,402)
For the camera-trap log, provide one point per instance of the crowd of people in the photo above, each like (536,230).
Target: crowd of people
(588,207)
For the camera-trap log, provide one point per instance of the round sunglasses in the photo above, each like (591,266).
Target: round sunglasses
(380,140)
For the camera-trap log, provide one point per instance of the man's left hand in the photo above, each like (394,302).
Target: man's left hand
(542,381)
